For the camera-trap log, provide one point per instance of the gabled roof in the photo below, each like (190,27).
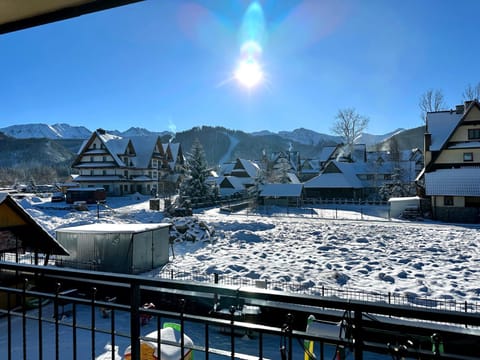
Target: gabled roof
(249,166)
(344,175)
(440,125)
(234,181)
(144,148)
(327,152)
(453,182)
(281,190)
(29,235)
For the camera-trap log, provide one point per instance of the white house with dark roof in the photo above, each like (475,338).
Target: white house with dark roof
(451,173)
(124,165)
(237,177)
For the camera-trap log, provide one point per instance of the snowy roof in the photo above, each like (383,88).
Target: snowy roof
(281,190)
(440,125)
(346,178)
(293,178)
(403,199)
(466,145)
(226,168)
(236,182)
(112,228)
(98,178)
(326,152)
(249,166)
(453,182)
(144,147)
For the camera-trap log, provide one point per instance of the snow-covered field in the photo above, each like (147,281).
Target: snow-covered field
(343,248)
(349,248)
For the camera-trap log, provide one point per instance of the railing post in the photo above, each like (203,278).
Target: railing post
(135,320)
(182,328)
(232,331)
(24,318)
(357,335)
(56,314)
(94,293)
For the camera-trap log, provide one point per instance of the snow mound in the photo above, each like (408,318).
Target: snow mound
(189,229)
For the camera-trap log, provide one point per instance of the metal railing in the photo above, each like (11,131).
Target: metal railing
(52,313)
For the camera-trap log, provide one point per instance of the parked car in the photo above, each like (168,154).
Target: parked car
(58,197)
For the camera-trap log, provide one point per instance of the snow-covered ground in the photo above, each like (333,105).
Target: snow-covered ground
(343,247)
(348,247)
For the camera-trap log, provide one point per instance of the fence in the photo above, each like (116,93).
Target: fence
(73,314)
(347,294)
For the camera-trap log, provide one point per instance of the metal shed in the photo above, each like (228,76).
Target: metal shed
(120,248)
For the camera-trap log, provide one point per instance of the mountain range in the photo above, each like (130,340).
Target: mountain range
(59,143)
(66,131)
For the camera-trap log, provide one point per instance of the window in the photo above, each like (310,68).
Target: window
(448,200)
(468,156)
(473,134)
(104,172)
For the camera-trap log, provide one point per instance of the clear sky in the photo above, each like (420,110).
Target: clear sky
(170,64)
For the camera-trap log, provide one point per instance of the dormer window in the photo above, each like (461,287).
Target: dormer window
(473,134)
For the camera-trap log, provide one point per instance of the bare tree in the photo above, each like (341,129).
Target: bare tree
(349,125)
(431,100)
(471,92)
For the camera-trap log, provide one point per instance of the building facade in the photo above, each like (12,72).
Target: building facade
(127,165)
(451,174)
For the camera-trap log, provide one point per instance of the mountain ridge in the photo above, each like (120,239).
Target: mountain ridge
(65,131)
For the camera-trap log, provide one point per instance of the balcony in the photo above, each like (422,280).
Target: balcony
(50,312)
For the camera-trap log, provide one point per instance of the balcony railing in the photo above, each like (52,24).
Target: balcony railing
(52,313)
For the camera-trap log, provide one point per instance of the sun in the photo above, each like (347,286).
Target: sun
(249,73)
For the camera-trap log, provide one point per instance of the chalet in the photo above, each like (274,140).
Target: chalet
(451,172)
(125,165)
(21,234)
(364,178)
(237,177)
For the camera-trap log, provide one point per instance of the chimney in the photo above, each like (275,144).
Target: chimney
(101,131)
(427,141)
(459,109)
(466,105)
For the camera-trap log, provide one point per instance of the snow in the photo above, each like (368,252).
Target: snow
(113,228)
(349,247)
(453,182)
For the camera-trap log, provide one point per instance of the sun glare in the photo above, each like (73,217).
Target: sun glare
(249,73)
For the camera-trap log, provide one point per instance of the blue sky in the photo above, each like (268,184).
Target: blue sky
(169,64)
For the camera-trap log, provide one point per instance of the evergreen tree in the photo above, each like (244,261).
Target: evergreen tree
(194,185)
(396,188)
(280,171)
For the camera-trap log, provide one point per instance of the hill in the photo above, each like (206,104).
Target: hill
(55,146)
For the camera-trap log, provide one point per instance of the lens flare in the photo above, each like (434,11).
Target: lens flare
(249,72)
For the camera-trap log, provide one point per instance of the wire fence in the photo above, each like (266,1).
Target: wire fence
(391,298)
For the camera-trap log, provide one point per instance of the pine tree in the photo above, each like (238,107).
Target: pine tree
(194,185)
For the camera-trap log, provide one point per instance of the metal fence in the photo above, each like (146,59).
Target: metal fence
(51,313)
(348,294)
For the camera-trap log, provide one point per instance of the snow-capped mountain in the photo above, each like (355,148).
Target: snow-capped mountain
(308,137)
(66,131)
(370,139)
(56,131)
